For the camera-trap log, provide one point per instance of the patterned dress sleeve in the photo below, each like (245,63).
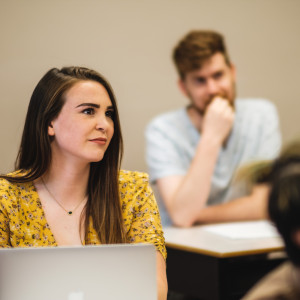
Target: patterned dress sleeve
(142,217)
(4,219)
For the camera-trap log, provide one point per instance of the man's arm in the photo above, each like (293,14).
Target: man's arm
(185,196)
(252,207)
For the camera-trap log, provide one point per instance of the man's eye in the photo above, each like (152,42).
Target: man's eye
(199,80)
(88,111)
(218,75)
(110,114)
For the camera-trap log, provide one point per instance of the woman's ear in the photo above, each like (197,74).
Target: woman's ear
(51,130)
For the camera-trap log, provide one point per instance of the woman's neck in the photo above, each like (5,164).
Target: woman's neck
(67,182)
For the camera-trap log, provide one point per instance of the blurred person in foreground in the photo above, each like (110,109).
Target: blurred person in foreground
(193,153)
(283,178)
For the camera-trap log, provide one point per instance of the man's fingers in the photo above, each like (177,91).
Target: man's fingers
(219,105)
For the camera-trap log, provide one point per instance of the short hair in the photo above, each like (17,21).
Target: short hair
(195,48)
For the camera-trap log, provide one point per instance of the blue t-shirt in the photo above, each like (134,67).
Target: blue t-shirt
(172,140)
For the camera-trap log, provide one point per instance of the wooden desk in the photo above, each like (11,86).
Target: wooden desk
(209,266)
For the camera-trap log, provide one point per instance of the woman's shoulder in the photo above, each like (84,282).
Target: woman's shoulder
(132,177)
(10,190)
(134,185)
(5,183)
(4,179)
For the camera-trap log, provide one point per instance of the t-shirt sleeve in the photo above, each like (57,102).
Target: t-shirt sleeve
(270,145)
(4,219)
(145,225)
(164,154)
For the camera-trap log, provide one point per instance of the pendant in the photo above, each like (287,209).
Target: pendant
(69,212)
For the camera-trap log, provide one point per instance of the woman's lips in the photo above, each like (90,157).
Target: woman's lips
(100,141)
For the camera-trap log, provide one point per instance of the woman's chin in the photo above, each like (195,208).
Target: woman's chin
(97,158)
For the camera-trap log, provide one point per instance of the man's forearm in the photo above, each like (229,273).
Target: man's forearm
(192,194)
(252,207)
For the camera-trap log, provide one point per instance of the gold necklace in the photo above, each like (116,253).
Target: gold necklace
(69,212)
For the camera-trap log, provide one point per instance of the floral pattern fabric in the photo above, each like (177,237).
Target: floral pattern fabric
(23,222)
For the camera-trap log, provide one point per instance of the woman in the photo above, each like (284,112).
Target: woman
(67,188)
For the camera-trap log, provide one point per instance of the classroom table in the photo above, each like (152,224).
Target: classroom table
(212,266)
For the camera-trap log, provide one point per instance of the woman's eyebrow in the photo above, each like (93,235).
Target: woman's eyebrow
(89,104)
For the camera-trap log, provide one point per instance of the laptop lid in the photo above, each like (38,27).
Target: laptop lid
(107,272)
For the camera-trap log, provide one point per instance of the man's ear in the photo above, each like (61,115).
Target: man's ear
(233,71)
(182,87)
(51,130)
(296,237)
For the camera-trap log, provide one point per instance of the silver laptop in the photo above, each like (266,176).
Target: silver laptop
(106,272)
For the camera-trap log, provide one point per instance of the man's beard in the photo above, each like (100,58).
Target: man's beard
(202,112)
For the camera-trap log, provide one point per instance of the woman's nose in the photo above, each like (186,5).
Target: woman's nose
(102,123)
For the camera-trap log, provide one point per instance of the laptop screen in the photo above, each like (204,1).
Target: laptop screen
(123,271)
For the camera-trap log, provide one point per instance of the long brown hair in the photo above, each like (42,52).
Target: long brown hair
(34,156)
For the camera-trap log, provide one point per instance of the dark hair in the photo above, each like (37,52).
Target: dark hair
(34,156)
(283,175)
(195,48)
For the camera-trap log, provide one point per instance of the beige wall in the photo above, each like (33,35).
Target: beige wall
(130,42)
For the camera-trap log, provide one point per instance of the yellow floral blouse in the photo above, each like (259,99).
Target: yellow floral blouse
(23,222)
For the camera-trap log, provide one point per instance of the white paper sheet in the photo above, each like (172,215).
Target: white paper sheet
(244,230)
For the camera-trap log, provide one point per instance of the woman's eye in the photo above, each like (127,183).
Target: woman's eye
(110,114)
(88,111)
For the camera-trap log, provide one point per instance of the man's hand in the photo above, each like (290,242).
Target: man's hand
(218,120)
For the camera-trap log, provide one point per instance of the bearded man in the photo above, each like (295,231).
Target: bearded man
(193,153)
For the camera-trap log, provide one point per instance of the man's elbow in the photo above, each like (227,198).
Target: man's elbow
(182,221)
